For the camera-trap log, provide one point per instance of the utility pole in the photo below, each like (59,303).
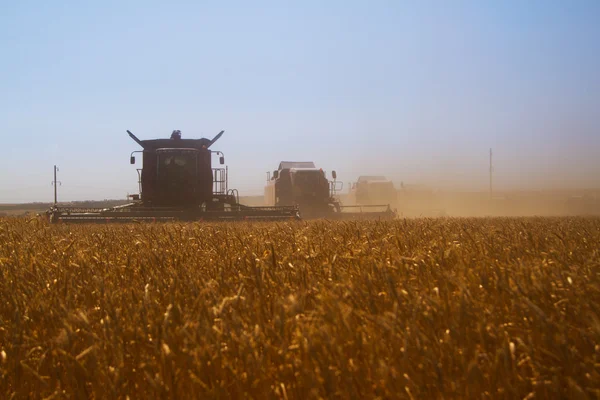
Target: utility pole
(55,183)
(491,170)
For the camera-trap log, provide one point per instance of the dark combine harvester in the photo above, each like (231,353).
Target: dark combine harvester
(304,185)
(177,182)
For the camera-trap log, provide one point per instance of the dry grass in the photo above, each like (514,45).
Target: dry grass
(446,308)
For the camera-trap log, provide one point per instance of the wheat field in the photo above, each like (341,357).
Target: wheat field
(424,308)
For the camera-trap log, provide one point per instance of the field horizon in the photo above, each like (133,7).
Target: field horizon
(418,202)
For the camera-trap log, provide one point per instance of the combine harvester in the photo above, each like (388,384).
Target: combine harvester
(177,182)
(372,190)
(303,185)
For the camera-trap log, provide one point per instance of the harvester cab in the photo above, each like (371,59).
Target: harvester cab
(177,182)
(178,172)
(370,190)
(302,184)
(299,183)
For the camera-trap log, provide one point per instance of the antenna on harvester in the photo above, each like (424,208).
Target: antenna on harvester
(491,170)
(55,183)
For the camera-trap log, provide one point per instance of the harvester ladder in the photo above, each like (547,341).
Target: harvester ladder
(219,181)
(335,187)
(139,172)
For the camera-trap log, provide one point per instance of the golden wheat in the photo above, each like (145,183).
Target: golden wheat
(429,308)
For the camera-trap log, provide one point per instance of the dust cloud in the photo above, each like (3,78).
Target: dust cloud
(454,190)
(414,200)
(431,181)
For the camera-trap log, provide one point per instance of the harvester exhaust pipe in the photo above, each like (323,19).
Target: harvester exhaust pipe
(214,139)
(138,141)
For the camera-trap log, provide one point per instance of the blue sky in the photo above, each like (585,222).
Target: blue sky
(418,91)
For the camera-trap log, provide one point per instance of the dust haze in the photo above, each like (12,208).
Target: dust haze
(462,187)
(459,185)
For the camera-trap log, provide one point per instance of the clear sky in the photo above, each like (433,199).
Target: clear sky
(418,91)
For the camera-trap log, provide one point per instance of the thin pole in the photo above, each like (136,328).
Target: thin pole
(55,197)
(491,190)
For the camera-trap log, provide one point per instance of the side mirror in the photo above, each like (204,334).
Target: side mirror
(132,160)
(275,174)
(222,160)
(334,174)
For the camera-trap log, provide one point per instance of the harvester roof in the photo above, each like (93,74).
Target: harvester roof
(377,178)
(175,143)
(153,144)
(296,164)
(303,170)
